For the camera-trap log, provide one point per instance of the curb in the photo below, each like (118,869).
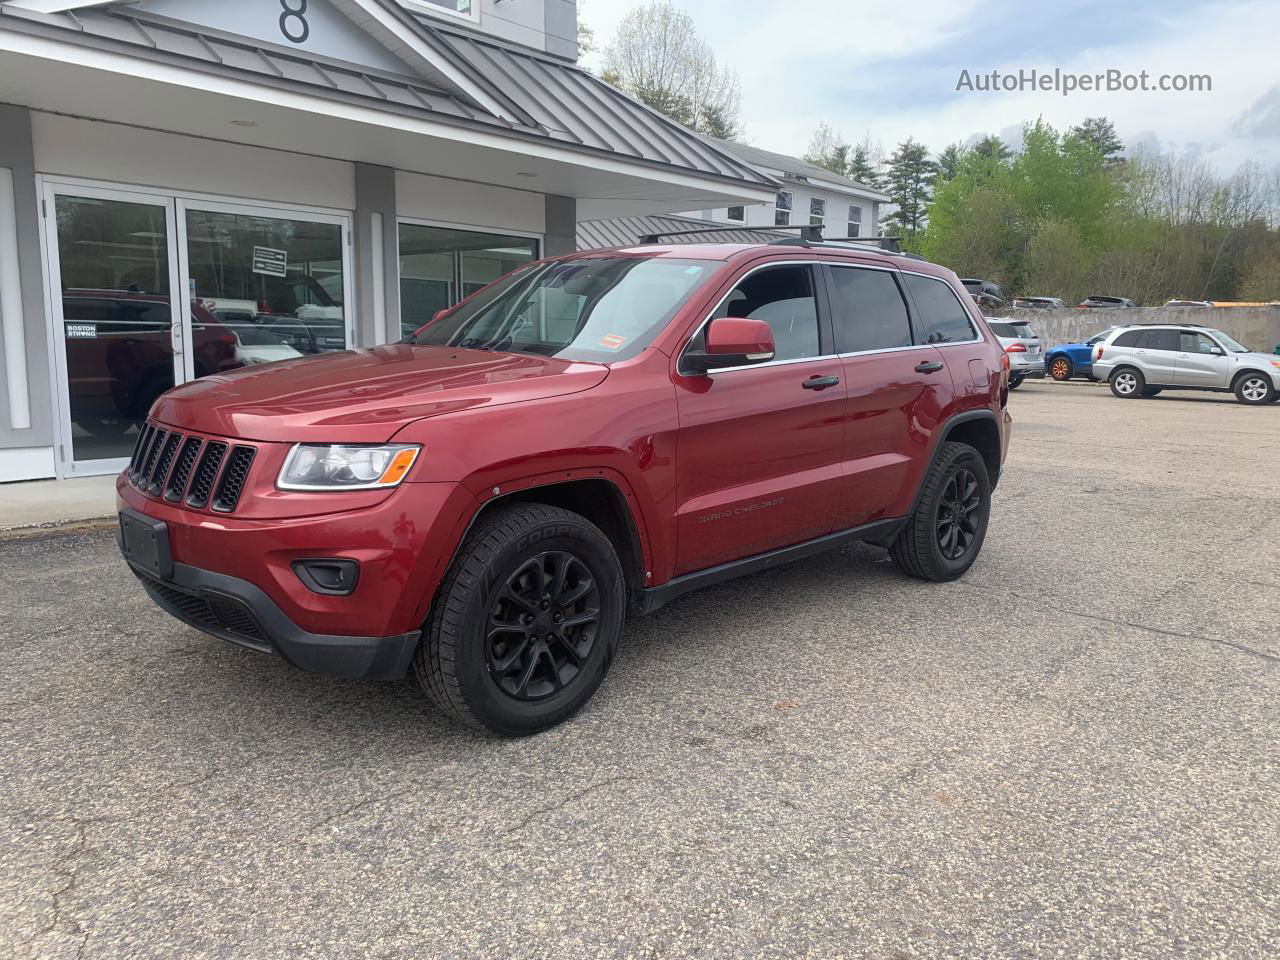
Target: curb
(58,528)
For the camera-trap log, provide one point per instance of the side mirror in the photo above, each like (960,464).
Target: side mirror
(1217,351)
(734,342)
(438,314)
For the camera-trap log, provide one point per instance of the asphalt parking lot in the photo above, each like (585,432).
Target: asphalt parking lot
(1072,752)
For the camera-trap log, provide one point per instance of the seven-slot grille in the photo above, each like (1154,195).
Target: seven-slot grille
(207,472)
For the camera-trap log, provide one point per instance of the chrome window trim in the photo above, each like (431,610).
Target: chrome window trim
(981,338)
(826,356)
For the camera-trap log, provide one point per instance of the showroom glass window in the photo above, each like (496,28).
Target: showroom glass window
(276,284)
(440,266)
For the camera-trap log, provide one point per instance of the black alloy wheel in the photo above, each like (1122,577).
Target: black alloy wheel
(543,626)
(527,621)
(944,534)
(959,514)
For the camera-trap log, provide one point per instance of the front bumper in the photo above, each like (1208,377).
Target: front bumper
(237,611)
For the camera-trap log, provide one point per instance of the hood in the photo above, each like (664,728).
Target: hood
(364,396)
(1258,357)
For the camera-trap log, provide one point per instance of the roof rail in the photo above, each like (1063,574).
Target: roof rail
(809,234)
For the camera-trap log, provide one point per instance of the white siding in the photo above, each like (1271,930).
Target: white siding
(475,205)
(68,147)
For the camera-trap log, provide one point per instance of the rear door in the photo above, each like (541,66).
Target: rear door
(758,463)
(1157,355)
(895,390)
(1197,363)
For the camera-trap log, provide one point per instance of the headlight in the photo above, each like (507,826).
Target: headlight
(323,466)
(1275,363)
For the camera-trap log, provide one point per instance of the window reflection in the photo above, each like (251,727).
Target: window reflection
(274,284)
(440,266)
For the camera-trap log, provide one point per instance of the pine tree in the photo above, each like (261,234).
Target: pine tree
(909,181)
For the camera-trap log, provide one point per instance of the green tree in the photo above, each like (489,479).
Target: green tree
(993,147)
(1101,134)
(1057,262)
(862,168)
(909,178)
(949,161)
(829,150)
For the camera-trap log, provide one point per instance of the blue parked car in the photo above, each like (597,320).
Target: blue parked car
(1068,360)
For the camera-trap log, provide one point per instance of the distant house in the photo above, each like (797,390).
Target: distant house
(808,195)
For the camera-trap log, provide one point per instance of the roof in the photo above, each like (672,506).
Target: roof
(627,231)
(518,92)
(793,167)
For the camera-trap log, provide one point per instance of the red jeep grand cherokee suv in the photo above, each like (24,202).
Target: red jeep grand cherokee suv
(590,435)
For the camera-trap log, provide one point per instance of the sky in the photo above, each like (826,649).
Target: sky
(891,70)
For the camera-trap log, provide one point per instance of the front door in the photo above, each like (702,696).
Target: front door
(1198,365)
(759,456)
(119,331)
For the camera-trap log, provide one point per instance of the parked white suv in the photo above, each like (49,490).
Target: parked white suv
(1140,361)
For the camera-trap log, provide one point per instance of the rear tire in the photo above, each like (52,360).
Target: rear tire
(1015,382)
(945,532)
(1061,369)
(1254,388)
(527,621)
(1128,383)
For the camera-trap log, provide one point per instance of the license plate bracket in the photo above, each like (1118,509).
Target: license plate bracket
(145,544)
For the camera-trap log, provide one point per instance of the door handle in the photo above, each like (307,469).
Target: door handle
(820,383)
(929,366)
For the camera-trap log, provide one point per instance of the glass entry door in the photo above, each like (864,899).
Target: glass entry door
(152,291)
(112,267)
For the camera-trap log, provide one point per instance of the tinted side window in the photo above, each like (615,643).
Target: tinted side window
(783,298)
(870,313)
(943,319)
(1161,340)
(1130,338)
(1002,329)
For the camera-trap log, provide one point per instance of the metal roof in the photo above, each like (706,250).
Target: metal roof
(551,99)
(627,231)
(793,166)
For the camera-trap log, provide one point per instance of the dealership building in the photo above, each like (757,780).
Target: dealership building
(192,186)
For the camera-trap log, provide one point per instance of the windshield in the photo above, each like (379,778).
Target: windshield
(599,309)
(1230,344)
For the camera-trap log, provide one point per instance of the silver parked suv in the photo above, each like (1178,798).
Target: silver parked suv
(1025,352)
(1140,361)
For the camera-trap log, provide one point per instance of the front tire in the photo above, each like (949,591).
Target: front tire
(1128,383)
(1060,369)
(1254,388)
(527,621)
(945,532)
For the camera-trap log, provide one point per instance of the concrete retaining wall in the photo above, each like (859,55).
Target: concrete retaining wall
(1256,327)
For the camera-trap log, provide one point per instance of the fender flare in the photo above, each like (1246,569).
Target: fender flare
(943,431)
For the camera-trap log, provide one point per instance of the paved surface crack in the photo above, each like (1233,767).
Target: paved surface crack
(578,795)
(1098,618)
